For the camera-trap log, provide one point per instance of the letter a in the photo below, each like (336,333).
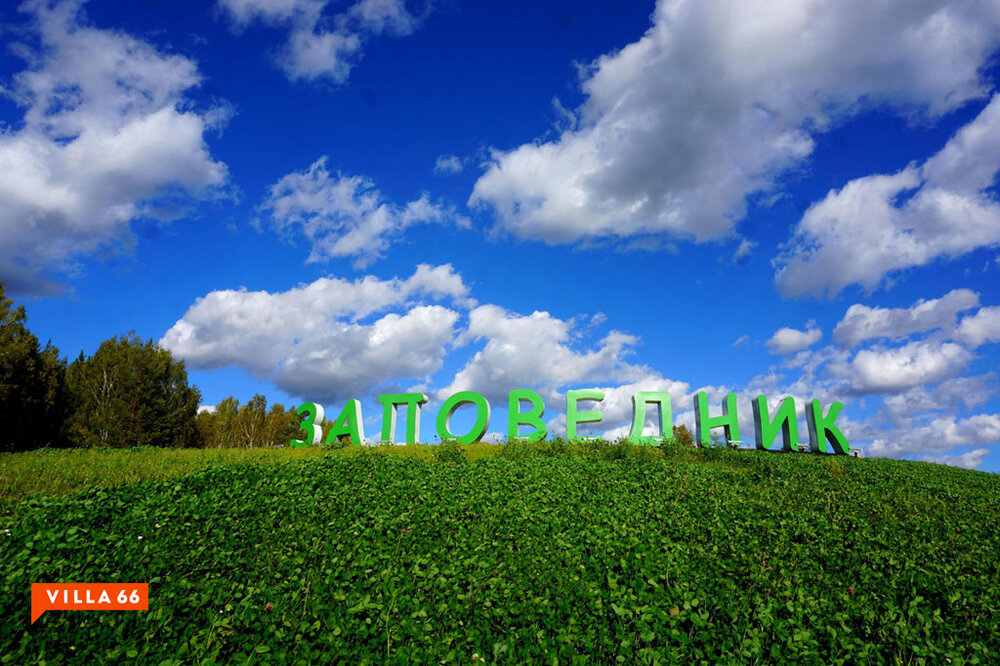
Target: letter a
(348,424)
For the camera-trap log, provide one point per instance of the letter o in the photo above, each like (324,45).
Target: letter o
(453,403)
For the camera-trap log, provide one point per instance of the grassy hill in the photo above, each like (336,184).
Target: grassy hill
(515,553)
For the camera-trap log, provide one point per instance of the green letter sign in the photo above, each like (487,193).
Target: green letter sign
(314,432)
(348,424)
(453,403)
(639,401)
(822,428)
(516,418)
(390,404)
(784,421)
(704,424)
(573,417)
(824,435)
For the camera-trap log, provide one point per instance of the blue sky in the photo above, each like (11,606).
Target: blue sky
(325,200)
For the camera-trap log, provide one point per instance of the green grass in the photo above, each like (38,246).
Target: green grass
(53,472)
(541,554)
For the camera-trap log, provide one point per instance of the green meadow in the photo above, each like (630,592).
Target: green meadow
(547,553)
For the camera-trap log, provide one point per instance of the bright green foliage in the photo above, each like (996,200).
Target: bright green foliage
(33,399)
(131,393)
(53,472)
(553,552)
(231,425)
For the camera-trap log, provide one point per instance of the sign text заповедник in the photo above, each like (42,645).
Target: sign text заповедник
(824,435)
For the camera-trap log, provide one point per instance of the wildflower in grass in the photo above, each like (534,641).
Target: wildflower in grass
(404,530)
(269,606)
(850,590)
(140,537)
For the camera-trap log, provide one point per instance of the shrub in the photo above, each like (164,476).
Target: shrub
(449,452)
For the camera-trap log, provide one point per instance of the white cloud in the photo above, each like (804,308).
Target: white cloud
(718,98)
(244,11)
(448,164)
(617,404)
(790,340)
(948,395)
(345,216)
(351,359)
(311,341)
(321,46)
(107,130)
(532,351)
(941,434)
(914,364)
(883,223)
(982,327)
(743,250)
(971,460)
(390,16)
(862,323)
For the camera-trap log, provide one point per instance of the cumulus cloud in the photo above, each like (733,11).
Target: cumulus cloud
(321,45)
(790,340)
(883,223)
(891,370)
(980,328)
(862,323)
(345,216)
(951,394)
(617,404)
(719,98)
(941,353)
(107,130)
(321,340)
(941,434)
(970,460)
(533,350)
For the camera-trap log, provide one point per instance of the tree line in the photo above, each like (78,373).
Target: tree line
(131,392)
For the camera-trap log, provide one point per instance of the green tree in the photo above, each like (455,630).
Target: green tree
(282,425)
(131,393)
(251,423)
(33,399)
(230,425)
